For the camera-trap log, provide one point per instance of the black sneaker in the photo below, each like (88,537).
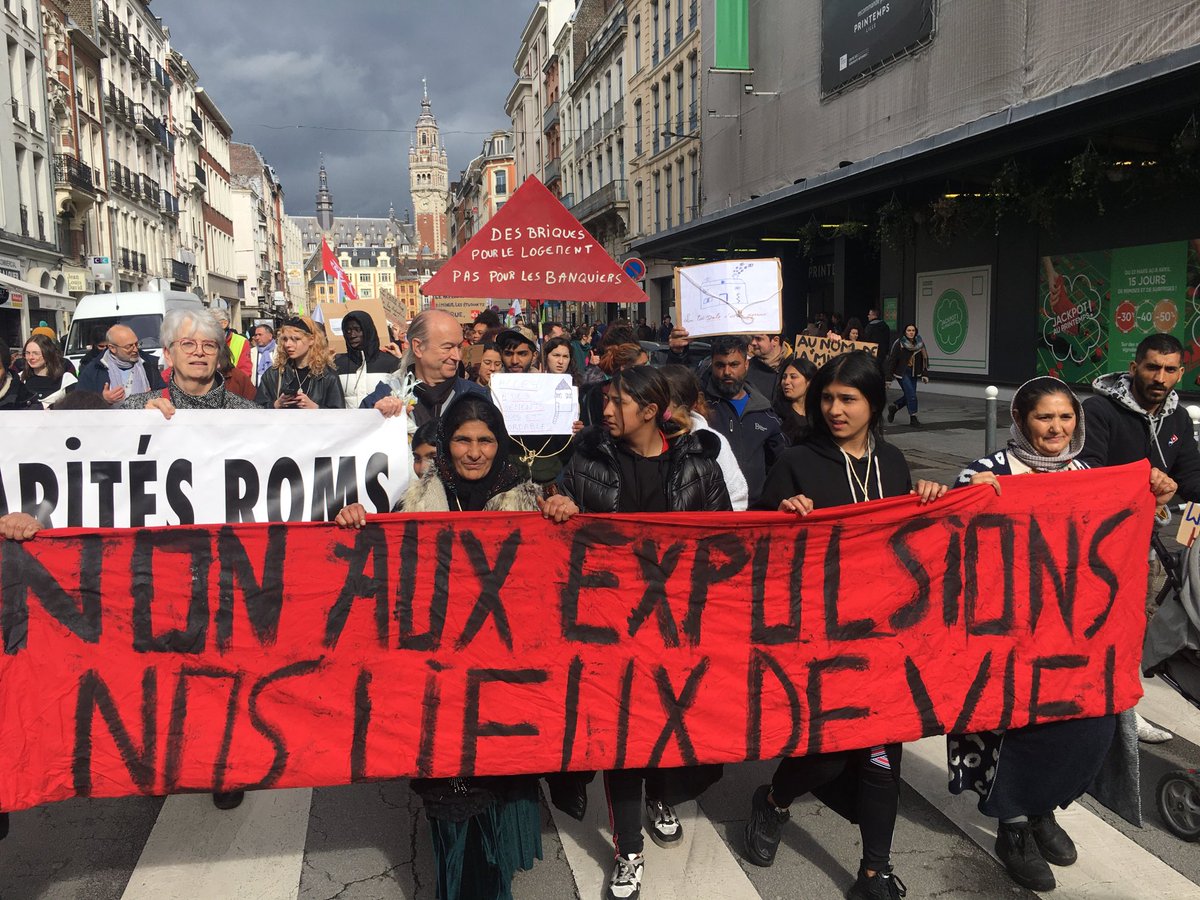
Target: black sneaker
(883,885)
(914,421)
(1018,851)
(891,414)
(228,799)
(1053,843)
(764,828)
(626,880)
(665,827)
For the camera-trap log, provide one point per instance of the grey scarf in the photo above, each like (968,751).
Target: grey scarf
(131,376)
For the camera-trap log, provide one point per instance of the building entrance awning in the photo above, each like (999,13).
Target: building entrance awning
(1140,91)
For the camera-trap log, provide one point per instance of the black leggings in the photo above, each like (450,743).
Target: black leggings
(867,789)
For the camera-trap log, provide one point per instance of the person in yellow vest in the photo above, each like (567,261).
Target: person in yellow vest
(239,347)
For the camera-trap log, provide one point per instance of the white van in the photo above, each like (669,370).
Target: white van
(142,311)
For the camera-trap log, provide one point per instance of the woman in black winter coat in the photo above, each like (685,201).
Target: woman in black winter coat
(843,461)
(302,376)
(642,460)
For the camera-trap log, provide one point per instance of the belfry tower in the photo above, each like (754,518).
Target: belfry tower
(428,175)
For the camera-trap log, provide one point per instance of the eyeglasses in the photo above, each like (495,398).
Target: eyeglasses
(132,346)
(187,345)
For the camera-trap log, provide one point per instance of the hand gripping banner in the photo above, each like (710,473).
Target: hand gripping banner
(152,661)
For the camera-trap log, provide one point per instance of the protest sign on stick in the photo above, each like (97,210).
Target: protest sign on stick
(152,661)
(535,403)
(736,296)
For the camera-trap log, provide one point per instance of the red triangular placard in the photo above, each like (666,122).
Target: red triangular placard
(534,249)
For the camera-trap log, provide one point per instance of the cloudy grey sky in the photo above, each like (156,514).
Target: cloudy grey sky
(351,64)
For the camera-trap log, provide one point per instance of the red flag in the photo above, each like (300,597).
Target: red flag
(334,268)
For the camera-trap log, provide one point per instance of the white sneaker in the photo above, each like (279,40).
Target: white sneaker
(626,881)
(665,828)
(1149,733)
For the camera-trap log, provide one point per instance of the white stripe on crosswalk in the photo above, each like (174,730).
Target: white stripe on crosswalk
(198,851)
(1109,863)
(703,866)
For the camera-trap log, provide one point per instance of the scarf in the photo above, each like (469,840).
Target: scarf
(214,399)
(129,375)
(911,346)
(430,399)
(1020,447)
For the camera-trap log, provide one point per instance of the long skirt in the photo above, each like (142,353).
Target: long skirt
(1029,771)
(477,858)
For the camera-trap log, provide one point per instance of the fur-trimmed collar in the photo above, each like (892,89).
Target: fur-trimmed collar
(428,494)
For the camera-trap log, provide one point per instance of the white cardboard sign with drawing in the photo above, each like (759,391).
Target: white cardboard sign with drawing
(733,296)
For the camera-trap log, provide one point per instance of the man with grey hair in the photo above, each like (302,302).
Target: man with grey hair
(191,341)
(428,373)
(121,371)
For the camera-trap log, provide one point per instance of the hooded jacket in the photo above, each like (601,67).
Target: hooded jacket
(592,477)
(1120,431)
(351,361)
(819,470)
(756,437)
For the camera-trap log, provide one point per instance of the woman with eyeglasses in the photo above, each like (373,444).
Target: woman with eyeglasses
(191,343)
(303,374)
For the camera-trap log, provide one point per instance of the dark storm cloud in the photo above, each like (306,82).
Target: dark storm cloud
(355,64)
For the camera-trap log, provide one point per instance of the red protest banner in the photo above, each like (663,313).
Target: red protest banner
(152,661)
(534,249)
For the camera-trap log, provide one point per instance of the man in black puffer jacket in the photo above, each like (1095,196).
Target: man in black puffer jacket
(1137,415)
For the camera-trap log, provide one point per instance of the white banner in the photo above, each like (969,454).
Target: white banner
(126,468)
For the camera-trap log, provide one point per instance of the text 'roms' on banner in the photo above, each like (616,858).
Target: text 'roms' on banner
(152,661)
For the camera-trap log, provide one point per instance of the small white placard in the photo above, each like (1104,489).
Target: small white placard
(734,296)
(536,403)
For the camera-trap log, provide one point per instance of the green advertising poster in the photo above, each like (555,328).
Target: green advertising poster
(731,46)
(891,307)
(1096,307)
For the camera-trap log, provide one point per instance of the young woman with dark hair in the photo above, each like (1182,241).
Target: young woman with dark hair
(490,362)
(644,459)
(842,461)
(907,361)
(795,376)
(1022,774)
(556,359)
(45,374)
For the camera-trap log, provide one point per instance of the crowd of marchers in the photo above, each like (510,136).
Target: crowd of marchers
(667,424)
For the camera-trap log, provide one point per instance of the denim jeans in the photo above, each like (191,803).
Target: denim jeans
(908,384)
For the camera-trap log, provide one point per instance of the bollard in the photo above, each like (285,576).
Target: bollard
(1194,412)
(989,435)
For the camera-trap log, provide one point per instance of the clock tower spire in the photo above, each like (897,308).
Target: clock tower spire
(429,182)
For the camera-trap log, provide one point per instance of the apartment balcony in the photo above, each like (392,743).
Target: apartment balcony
(107,20)
(151,191)
(149,125)
(196,126)
(608,198)
(73,182)
(161,79)
(125,260)
(567,200)
(181,272)
(169,204)
(553,171)
(199,178)
(550,117)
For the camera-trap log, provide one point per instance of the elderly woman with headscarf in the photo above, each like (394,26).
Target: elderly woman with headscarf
(483,829)
(363,358)
(191,341)
(1023,774)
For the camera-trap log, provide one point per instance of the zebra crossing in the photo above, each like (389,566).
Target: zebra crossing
(369,842)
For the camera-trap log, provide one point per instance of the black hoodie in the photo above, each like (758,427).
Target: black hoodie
(377,361)
(817,469)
